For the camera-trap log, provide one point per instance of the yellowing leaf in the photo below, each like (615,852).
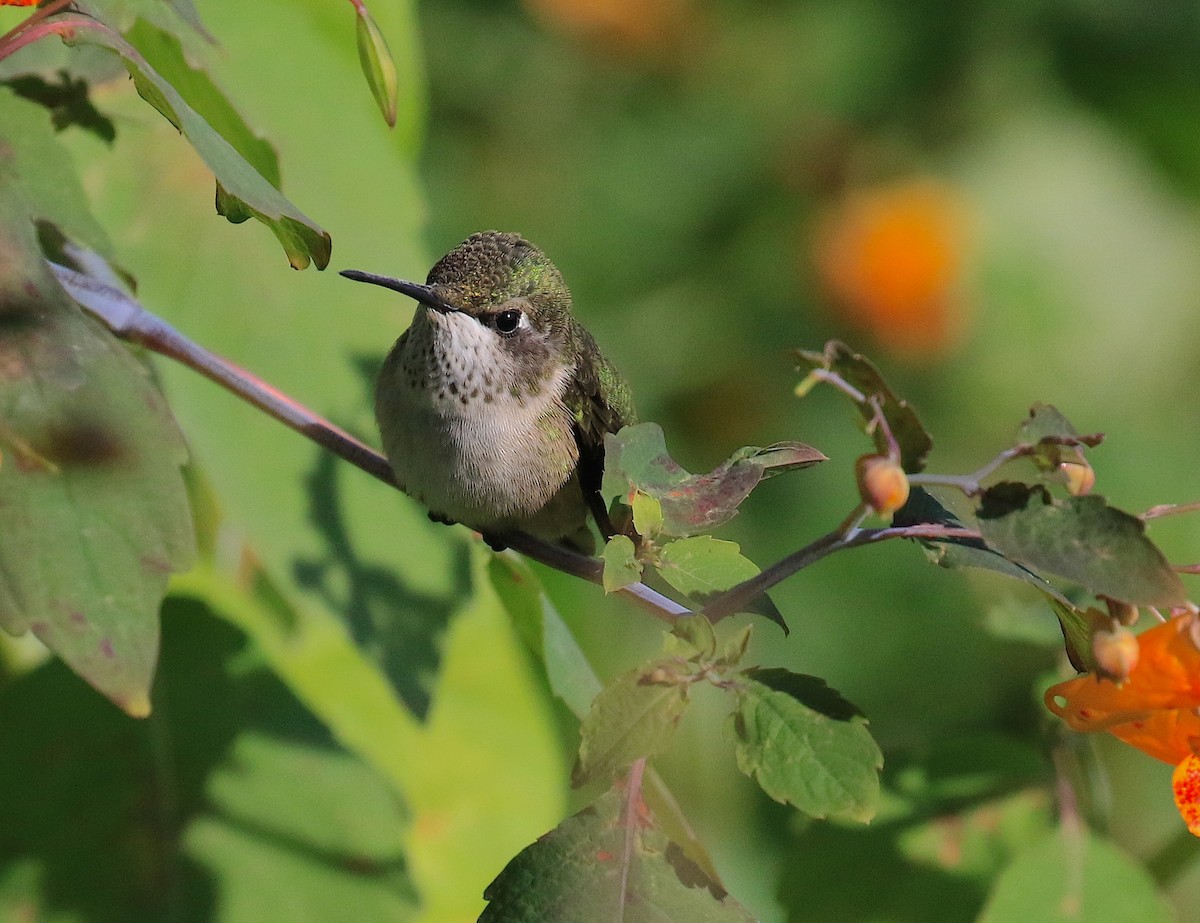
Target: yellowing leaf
(631,718)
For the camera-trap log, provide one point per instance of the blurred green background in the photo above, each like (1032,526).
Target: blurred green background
(997,202)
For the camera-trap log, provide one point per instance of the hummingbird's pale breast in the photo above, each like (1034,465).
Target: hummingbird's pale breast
(494,404)
(472,436)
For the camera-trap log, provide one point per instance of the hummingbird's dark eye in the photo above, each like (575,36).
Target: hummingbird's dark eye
(508,321)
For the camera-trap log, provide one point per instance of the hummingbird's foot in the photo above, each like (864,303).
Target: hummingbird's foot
(438,517)
(493,541)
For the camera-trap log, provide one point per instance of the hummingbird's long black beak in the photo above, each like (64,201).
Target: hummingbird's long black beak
(422,293)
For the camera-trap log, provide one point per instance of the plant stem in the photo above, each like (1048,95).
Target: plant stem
(845,536)
(970,484)
(37,16)
(126,318)
(1169,509)
(629,824)
(129,320)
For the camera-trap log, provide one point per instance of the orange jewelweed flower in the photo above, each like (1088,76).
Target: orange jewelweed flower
(18,2)
(891,259)
(1154,710)
(1186,784)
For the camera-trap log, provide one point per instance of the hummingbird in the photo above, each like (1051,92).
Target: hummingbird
(492,406)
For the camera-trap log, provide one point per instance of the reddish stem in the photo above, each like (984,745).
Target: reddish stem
(633,797)
(1170,509)
(37,16)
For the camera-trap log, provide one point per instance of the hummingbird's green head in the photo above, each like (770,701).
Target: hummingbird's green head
(501,280)
(498,298)
(491,269)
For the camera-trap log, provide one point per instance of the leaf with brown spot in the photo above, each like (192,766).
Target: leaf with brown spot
(636,459)
(1083,539)
(95,512)
(592,867)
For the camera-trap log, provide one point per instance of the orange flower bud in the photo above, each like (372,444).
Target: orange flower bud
(1185,782)
(882,483)
(1080,477)
(1116,651)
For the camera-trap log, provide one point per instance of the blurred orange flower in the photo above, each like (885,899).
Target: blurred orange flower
(18,2)
(1155,709)
(636,23)
(891,259)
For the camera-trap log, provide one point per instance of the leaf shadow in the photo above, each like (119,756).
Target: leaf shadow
(104,817)
(399,627)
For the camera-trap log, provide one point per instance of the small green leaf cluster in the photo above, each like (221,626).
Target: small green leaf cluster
(804,744)
(1019,528)
(672,510)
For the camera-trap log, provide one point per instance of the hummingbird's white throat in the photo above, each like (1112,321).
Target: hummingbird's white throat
(472,434)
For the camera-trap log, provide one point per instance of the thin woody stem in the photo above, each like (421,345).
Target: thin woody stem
(1170,509)
(971,484)
(34,18)
(629,823)
(845,536)
(832,378)
(127,319)
(130,321)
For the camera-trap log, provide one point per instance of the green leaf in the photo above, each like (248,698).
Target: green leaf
(621,564)
(165,54)
(195,807)
(95,513)
(1077,626)
(856,370)
(647,515)
(805,745)
(176,17)
(46,174)
(1046,423)
(378,65)
(573,680)
(1072,876)
(633,717)
(488,753)
(636,460)
(777,457)
(735,647)
(953,553)
(593,867)
(702,566)
(242,192)
(1082,539)
(1048,430)
(691,638)
(540,626)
